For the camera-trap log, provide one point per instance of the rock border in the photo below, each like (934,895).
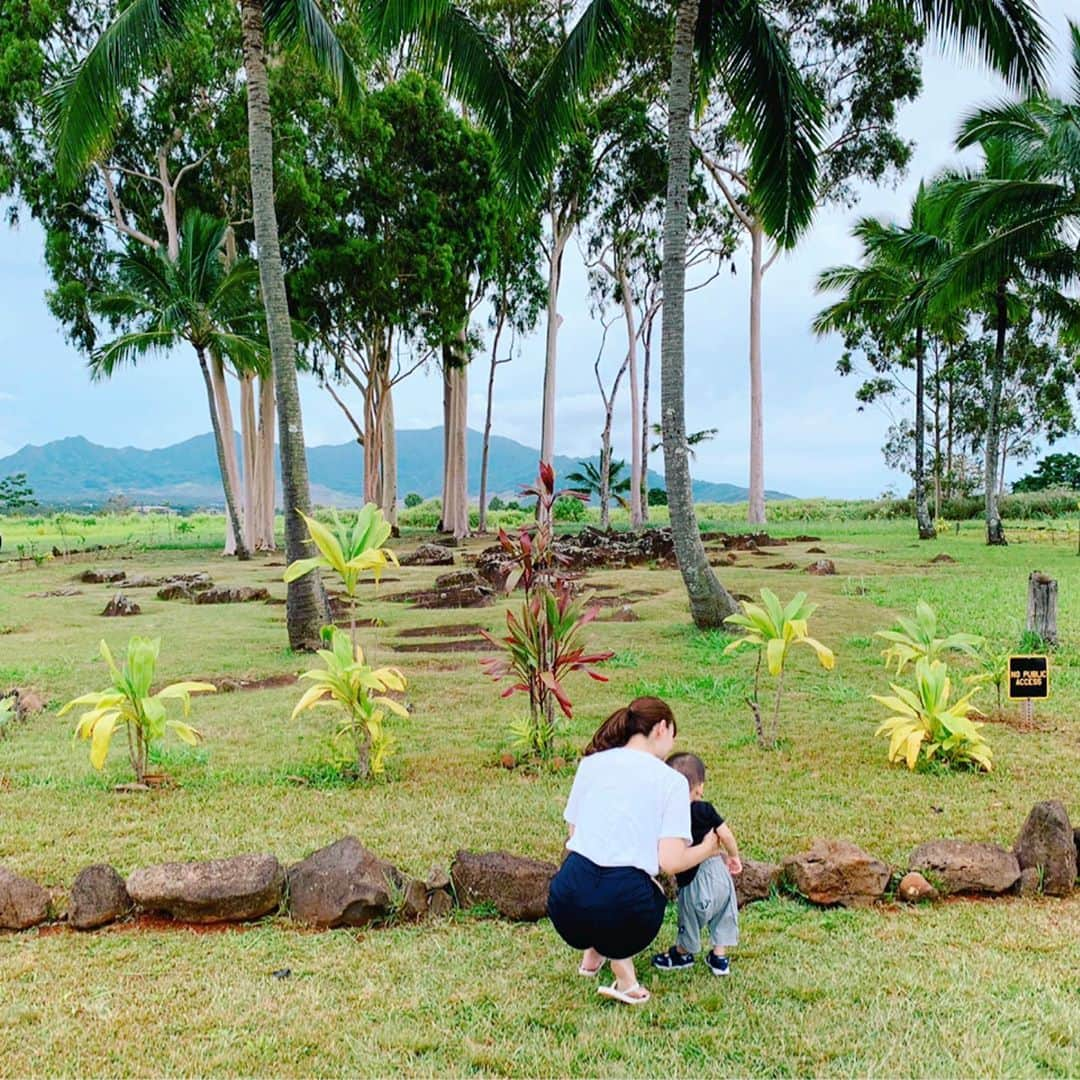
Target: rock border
(347,884)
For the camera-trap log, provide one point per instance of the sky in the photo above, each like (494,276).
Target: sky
(816,442)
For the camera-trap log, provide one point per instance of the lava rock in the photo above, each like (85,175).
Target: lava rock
(98,896)
(121,605)
(837,872)
(965,867)
(23,903)
(343,884)
(102,577)
(517,887)
(429,555)
(1047,843)
(758,881)
(822,568)
(231,594)
(914,888)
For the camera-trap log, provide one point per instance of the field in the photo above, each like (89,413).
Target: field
(957,989)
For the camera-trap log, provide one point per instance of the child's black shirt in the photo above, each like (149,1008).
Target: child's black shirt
(703,819)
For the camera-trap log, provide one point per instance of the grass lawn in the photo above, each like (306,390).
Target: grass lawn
(958,989)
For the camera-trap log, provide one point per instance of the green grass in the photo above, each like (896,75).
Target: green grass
(957,989)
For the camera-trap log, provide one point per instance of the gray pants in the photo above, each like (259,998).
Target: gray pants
(709,900)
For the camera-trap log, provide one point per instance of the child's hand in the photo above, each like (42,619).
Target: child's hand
(734,863)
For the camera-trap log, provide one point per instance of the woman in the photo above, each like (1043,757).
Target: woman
(629,816)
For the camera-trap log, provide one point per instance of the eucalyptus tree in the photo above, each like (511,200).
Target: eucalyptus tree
(862,61)
(192,297)
(85,105)
(883,293)
(739,48)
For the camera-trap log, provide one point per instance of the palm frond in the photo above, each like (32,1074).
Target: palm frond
(129,349)
(303,23)
(778,116)
(591,51)
(81,106)
(1009,35)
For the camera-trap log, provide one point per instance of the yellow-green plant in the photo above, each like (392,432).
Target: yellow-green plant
(360,692)
(349,551)
(925,723)
(993,669)
(772,629)
(128,703)
(918,638)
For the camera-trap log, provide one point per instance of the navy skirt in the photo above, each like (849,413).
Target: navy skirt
(616,910)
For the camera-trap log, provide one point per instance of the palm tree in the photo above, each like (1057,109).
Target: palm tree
(897,264)
(196,299)
(589,480)
(737,46)
(1003,243)
(83,109)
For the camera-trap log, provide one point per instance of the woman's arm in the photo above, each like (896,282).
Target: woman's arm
(676,855)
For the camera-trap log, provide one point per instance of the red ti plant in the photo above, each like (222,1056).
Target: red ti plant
(543,643)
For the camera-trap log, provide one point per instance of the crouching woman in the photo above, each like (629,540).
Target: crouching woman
(629,817)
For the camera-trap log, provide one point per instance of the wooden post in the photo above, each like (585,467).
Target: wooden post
(1042,606)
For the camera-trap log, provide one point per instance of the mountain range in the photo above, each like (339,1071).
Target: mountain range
(77,472)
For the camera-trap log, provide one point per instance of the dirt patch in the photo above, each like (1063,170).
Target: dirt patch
(228,684)
(1017,722)
(446,630)
(477,644)
(622,600)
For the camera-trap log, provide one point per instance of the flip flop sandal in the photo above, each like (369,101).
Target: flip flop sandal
(591,973)
(625,996)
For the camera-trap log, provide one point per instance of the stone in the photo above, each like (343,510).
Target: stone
(195,581)
(822,568)
(1029,882)
(1047,843)
(624,613)
(461,589)
(121,605)
(942,558)
(440,904)
(231,594)
(343,884)
(838,872)
(220,890)
(914,888)
(23,903)
(429,555)
(757,881)
(815,551)
(517,887)
(960,866)
(176,590)
(1076,838)
(102,577)
(67,591)
(98,896)
(415,900)
(437,878)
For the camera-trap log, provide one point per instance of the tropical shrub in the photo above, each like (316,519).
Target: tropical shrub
(127,703)
(413,499)
(543,642)
(993,669)
(360,691)
(569,508)
(924,724)
(349,551)
(917,638)
(657,496)
(771,629)
(495,503)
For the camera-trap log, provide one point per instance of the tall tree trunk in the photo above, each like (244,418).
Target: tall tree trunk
(219,444)
(267,498)
(234,539)
(995,532)
(636,516)
(937,431)
(951,483)
(486,449)
(710,603)
(922,511)
(249,434)
(455,511)
(756,510)
(305,609)
(559,236)
(646,373)
(388,446)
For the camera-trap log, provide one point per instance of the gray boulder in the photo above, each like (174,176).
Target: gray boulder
(960,866)
(219,890)
(343,884)
(230,594)
(23,903)
(121,605)
(517,887)
(98,896)
(837,872)
(1047,844)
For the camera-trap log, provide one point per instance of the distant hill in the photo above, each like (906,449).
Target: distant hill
(75,471)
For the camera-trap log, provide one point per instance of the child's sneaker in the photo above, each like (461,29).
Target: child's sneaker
(718,965)
(673,960)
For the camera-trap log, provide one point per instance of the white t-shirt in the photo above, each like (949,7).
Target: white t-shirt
(622,803)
